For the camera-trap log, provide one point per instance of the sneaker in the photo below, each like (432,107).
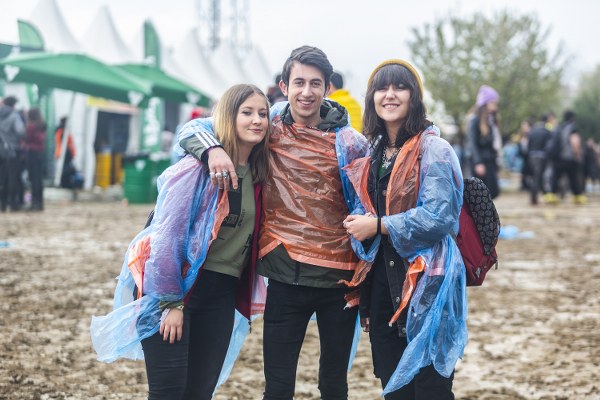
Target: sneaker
(580,199)
(551,198)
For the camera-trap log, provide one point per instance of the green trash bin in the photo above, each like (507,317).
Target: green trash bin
(137,185)
(141,173)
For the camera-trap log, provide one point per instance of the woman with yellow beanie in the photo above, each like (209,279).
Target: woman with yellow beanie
(412,294)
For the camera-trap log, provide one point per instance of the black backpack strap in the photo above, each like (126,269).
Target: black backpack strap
(150,218)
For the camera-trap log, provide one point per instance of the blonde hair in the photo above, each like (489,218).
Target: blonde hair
(225,117)
(483,120)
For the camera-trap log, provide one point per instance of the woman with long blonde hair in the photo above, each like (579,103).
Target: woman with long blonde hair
(193,267)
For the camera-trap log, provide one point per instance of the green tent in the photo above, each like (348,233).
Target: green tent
(166,86)
(75,72)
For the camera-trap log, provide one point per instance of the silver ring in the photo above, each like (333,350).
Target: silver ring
(225,174)
(218,175)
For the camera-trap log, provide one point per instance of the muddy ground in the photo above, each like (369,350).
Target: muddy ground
(533,327)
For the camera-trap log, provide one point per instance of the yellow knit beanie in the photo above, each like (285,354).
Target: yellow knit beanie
(405,64)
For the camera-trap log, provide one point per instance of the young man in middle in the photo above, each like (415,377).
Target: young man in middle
(304,249)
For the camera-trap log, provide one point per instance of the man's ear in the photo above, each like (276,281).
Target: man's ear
(283,88)
(330,89)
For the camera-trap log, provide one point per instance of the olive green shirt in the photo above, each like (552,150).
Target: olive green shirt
(230,251)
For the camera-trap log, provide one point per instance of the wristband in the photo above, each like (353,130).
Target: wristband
(379,225)
(167,305)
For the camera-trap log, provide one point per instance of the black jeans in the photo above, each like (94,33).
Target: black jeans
(538,164)
(35,169)
(387,348)
(287,313)
(190,368)
(490,178)
(10,176)
(572,170)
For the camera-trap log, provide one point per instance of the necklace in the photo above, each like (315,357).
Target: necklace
(385,160)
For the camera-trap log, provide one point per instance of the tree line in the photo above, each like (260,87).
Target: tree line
(510,53)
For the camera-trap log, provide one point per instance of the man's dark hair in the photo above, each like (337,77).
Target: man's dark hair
(277,79)
(337,80)
(307,55)
(569,116)
(10,101)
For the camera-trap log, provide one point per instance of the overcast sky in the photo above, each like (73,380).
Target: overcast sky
(356,35)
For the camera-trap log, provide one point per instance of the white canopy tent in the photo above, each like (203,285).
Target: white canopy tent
(229,64)
(170,64)
(48,18)
(256,67)
(103,41)
(212,74)
(197,65)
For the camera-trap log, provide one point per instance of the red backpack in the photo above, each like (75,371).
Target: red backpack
(479,228)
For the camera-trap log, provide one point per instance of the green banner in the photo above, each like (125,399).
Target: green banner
(151,45)
(153,115)
(152,123)
(29,36)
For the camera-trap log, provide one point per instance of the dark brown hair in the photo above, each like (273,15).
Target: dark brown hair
(307,55)
(400,76)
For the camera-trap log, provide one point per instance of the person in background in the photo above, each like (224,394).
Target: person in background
(166,140)
(343,97)
(68,169)
(536,156)
(567,155)
(303,248)
(523,140)
(484,139)
(551,123)
(274,93)
(35,139)
(592,165)
(412,188)
(193,282)
(12,130)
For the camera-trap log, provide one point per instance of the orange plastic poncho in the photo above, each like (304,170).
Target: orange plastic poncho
(403,189)
(58,143)
(307,222)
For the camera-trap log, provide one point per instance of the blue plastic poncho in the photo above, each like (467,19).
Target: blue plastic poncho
(187,216)
(436,324)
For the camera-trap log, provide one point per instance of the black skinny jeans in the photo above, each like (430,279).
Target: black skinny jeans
(571,169)
(538,164)
(35,169)
(10,175)
(387,348)
(190,368)
(287,313)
